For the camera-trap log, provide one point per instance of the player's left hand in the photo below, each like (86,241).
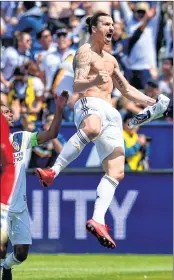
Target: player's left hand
(62,99)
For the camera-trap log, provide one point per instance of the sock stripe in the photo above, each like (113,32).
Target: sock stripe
(111,181)
(83,140)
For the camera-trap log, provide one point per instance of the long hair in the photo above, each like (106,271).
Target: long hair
(92,21)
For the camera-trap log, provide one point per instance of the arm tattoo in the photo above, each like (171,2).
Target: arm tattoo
(81,65)
(119,82)
(81,74)
(84,58)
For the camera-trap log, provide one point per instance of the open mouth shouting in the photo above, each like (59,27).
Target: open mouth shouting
(108,37)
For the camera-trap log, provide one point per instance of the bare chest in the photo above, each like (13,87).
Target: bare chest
(101,64)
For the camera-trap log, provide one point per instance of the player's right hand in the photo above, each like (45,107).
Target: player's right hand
(62,99)
(101,78)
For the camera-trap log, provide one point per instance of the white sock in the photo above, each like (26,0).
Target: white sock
(105,193)
(10,261)
(71,150)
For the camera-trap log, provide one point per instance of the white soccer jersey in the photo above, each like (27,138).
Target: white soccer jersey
(21,142)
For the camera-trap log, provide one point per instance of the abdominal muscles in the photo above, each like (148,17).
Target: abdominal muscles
(101,91)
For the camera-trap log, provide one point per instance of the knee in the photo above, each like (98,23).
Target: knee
(21,254)
(93,132)
(118,175)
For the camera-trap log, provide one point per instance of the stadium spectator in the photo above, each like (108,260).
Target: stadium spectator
(152,89)
(75,34)
(52,62)
(166,79)
(47,45)
(167,9)
(136,147)
(123,44)
(102,7)
(116,13)
(2,50)
(142,60)
(168,31)
(58,9)
(27,93)
(64,77)
(87,6)
(11,12)
(12,59)
(31,21)
(74,21)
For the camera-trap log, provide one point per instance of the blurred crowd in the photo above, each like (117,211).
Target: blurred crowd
(39,41)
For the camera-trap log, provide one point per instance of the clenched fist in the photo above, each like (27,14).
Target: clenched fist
(101,78)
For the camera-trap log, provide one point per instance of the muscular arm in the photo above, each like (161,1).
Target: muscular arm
(128,91)
(81,65)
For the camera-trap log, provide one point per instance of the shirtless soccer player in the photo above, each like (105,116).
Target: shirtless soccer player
(96,73)
(18,217)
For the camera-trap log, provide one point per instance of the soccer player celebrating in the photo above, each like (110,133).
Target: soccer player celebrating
(96,73)
(18,217)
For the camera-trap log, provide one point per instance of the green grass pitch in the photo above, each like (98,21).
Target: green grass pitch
(95,267)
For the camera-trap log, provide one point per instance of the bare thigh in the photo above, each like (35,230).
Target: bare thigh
(91,125)
(113,165)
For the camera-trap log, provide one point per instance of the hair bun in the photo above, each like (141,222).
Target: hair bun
(88,20)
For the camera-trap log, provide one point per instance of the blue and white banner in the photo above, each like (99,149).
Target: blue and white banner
(140,214)
(161,147)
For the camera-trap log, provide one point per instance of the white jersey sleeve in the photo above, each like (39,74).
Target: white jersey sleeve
(21,142)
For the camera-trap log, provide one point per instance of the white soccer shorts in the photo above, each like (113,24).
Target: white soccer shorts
(111,134)
(19,228)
